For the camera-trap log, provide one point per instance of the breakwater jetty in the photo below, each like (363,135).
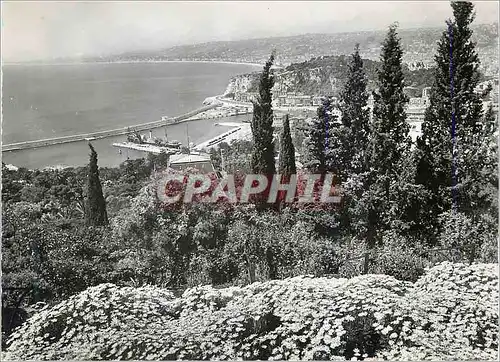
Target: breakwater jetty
(109,133)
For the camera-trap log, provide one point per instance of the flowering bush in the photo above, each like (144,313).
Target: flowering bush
(456,307)
(449,313)
(101,322)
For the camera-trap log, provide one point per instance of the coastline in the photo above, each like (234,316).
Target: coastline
(131,62)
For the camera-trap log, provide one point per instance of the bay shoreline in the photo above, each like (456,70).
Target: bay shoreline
(130,62)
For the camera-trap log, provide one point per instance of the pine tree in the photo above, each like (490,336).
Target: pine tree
(355,118)
(95,208)
(318,157)
(452,131)
(287,151)
(390,130)
(262,124)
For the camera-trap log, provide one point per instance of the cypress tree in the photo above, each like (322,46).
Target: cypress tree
(287,151)
(453,131)
(95,208)
(318,157)
(355,118)
(389,141)
(390,130)
(262,124)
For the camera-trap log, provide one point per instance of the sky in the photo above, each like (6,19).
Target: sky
(42,29)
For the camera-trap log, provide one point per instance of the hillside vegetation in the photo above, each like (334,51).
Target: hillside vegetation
(326,75)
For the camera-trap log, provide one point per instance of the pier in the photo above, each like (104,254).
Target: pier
(145,147)
(240,131)
(104,134)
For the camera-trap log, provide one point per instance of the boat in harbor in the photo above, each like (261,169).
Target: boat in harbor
(158,142)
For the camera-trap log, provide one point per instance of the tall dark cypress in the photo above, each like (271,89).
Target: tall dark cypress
(287,151)
(318,151)
(390,130)
(262,124)
(452,129)
(95,208)
(355,118)
(389,140)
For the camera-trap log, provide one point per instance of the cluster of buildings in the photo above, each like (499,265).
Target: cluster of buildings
(483,86)
(415,109)
(296,100)
(291,99)
(415,112)
(419,64)
(199,161)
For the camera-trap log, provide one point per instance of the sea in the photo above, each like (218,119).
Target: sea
(45,101)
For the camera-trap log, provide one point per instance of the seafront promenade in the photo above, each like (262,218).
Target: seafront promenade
(108,133)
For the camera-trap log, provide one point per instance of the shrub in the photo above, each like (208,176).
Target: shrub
(468,236)
(94,324)
(456,307)
(397,259)
(449,313)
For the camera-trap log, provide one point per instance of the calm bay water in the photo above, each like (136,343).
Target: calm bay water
(57,100)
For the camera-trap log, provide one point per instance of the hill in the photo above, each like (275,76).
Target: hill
(419,47)
(324,75)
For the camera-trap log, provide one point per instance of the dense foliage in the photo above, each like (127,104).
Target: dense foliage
(449,313)
(385,224)
(48,253)
(319,144)
(263,154)
(390,130)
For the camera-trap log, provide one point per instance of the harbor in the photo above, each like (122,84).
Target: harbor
(213,108)
(76,153)
(156,145)
(165,121)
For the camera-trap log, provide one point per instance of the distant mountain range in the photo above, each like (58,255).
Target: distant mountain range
(419,48)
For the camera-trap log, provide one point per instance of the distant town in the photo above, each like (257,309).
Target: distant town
(304,106)
(419,47)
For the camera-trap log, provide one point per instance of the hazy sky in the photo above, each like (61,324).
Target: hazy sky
(42,29)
